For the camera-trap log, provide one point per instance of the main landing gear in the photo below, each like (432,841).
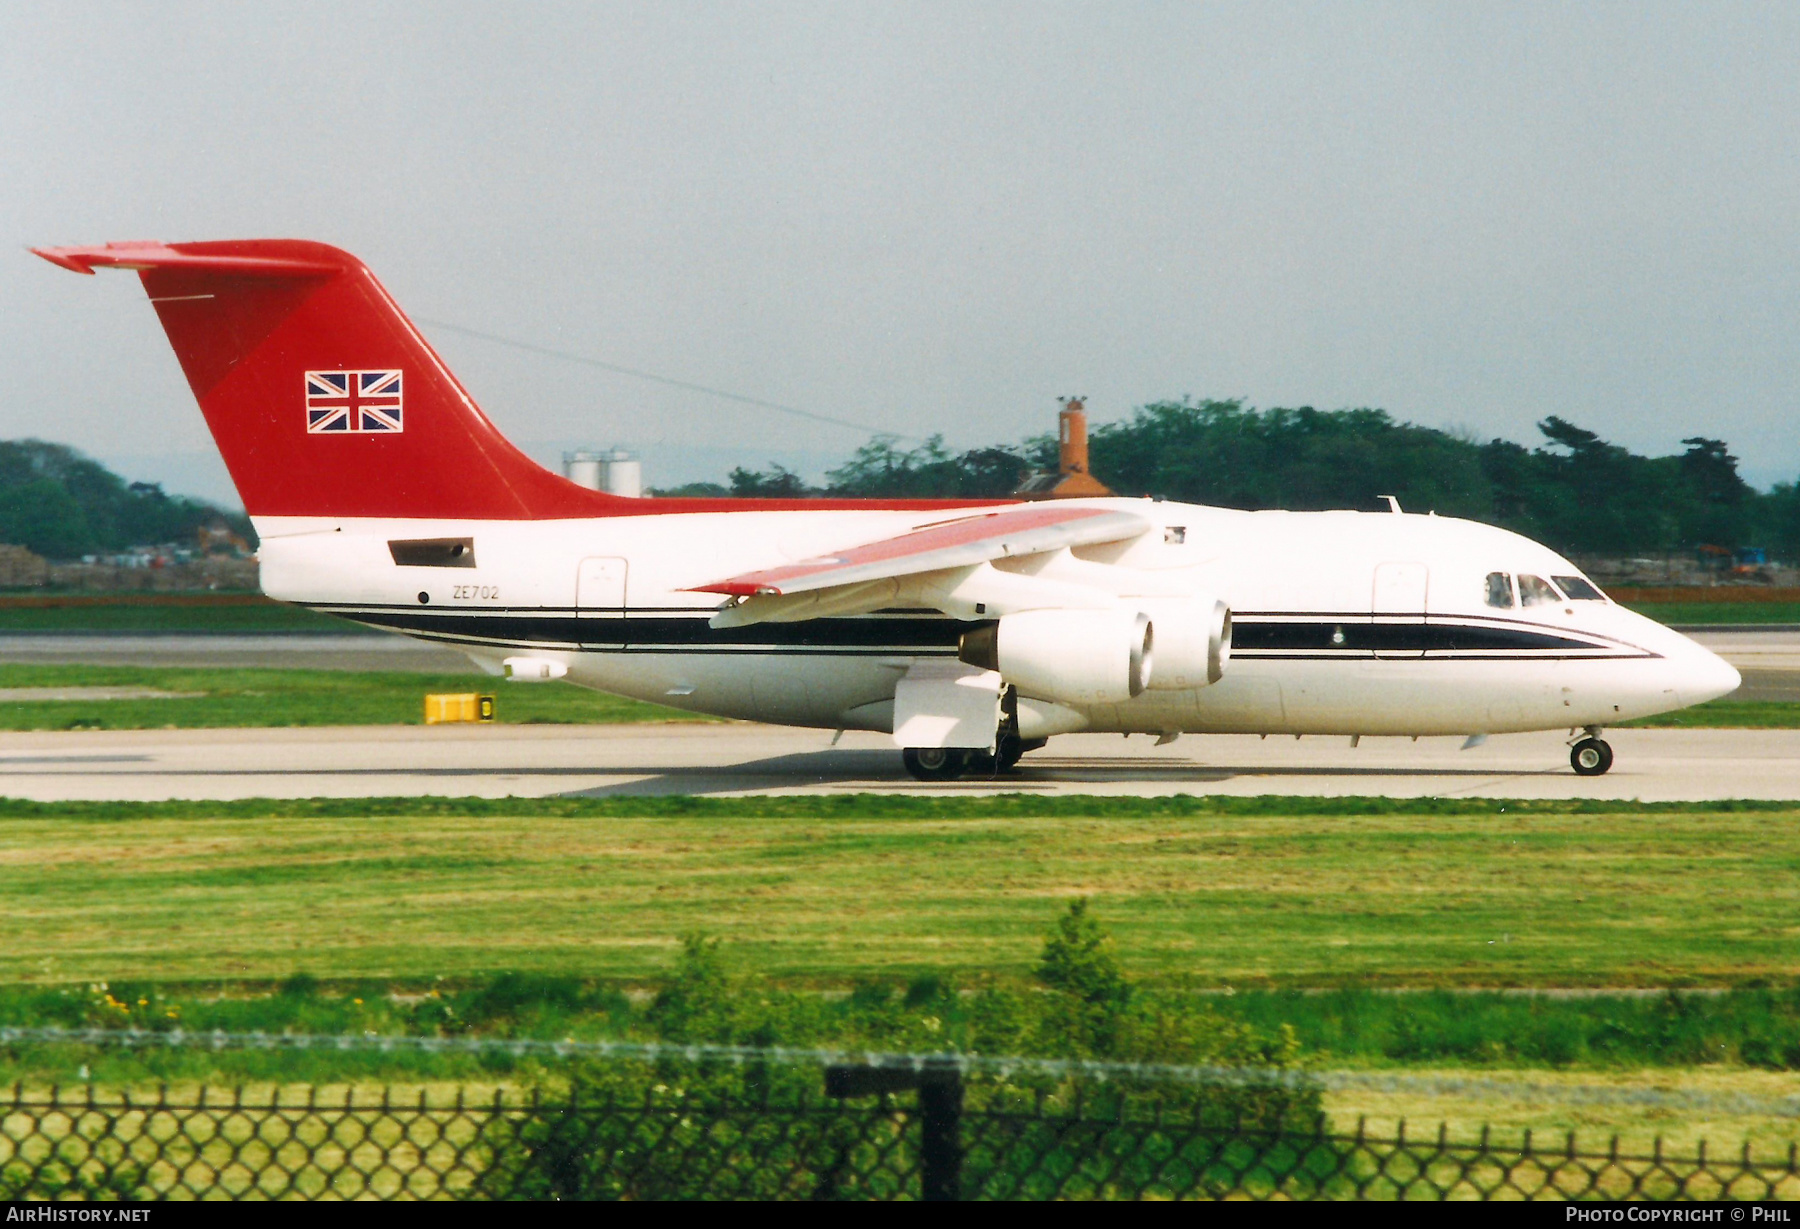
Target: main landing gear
(949,763)
(935,763)
(1590,756)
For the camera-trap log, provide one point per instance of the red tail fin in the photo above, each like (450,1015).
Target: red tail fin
(321,394)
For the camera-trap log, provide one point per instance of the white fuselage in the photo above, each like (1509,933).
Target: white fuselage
(1345,622)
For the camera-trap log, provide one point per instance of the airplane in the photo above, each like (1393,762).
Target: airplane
(972,631)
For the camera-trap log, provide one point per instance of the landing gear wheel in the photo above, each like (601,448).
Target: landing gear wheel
(1590,757)
(935,763)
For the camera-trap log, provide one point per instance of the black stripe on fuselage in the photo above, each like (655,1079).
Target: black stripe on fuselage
(1416,636)
(1274,637)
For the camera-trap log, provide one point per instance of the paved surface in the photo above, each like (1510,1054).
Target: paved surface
(496,761)
(1768,659)
(372,651)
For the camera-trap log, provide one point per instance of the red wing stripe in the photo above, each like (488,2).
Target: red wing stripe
(976,539)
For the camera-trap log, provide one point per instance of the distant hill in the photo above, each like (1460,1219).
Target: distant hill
(63,505)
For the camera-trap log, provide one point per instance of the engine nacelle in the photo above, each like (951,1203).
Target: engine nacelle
(1073,656)
(1193,643)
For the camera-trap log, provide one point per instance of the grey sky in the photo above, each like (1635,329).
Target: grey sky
(938,218)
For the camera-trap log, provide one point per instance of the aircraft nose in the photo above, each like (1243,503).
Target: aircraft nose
(1706,676)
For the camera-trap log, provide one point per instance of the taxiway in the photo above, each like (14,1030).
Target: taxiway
(738,758)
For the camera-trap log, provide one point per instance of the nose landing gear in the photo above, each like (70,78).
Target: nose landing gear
(1590,756)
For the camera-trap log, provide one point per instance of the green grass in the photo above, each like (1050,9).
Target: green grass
(145,617)
(1263,911)
(1535,895)
(1727,714)
(1718,612)
(246,697)
(1352,1028)
(1754,1027)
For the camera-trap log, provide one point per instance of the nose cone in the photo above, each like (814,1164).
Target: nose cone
(1704,675)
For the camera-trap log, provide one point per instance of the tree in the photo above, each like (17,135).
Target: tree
(59,503)
(881,469)
(778,483)
(1078,959)
(1575,492)
(1719,496)
(43,517)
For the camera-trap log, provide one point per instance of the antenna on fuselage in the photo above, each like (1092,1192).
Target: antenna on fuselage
(1393,504)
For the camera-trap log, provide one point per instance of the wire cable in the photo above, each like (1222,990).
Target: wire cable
(653,377)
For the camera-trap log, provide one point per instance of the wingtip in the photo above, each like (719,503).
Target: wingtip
(66,258)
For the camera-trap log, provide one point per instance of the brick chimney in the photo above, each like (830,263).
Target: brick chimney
(1073,478)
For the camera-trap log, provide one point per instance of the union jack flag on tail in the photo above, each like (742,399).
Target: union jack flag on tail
(352,402)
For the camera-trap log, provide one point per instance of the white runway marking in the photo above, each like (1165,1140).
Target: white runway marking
(497,761)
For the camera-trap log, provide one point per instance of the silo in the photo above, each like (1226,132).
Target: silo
(622,475)
(585,467)
(615,471)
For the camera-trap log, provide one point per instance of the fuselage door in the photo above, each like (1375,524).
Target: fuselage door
(600,588)
(1398,605)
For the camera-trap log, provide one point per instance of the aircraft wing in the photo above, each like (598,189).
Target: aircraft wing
(963,542)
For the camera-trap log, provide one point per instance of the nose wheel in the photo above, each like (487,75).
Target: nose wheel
(1590,757)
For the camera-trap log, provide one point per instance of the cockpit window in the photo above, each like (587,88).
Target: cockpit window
(1579,588)
(1536,591)
(1499,590)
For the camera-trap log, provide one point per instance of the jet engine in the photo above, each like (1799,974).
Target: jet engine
(1193,643)
(1072,656)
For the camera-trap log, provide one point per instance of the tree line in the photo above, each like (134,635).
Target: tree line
(1573,491)
(62,505)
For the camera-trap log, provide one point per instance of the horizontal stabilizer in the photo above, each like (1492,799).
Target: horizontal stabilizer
(141,256)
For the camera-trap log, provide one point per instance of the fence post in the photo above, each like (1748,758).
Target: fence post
(940,1089)
(940,1121)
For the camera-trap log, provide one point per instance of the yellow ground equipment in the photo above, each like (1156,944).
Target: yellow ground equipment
(469,707)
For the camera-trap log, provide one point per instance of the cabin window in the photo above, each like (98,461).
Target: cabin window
(1579,588)
(1499,590)
(1536,591)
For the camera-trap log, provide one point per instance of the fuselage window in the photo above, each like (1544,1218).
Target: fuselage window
(1579,588)
(1499,590)
(1536,591)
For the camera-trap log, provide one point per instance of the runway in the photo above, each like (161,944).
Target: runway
(1768,658)
(301,651)
(743,759)
(740,758)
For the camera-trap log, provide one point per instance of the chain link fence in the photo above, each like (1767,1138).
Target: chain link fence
(684,1130)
